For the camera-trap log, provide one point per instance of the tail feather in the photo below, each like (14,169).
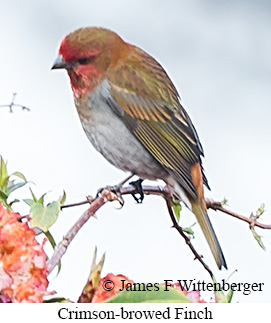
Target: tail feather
(199,209)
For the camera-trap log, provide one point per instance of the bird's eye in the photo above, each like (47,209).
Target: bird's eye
(84,60)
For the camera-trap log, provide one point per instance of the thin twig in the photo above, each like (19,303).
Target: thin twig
(186,238)
(99,201)
(107,195)
(217,206)
(159,190)
(166,193)
(65,242)
(104,196)
(12,104)
(65,206)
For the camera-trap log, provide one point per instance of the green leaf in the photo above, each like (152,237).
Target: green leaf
(229,296)
(35,199)
(260,210)
(96,268)
(224,202)
(44,217)
(3,198)
(177,210)
(3,173)
(5,183)
(62,199)
(14,186)
(220,297)
(20,175)
(8,186)
(162,295)
(29,202)
(41,199)
(189,230)
(33,195)
(57,300)
(12,202)
(53,244)
(258,238)
(93,280)
(51,239)
(3,195)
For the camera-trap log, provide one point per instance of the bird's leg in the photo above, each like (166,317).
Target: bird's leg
(139,190)
(116,189)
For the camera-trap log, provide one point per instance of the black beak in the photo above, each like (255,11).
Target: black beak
(60,63)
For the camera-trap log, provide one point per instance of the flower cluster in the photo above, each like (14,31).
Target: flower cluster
(23,273)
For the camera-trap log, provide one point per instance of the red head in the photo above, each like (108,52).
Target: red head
(88,54)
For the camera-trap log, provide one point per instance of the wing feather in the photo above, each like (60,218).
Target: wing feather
(147,101)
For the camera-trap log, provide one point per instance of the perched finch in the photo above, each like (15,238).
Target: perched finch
(131,113)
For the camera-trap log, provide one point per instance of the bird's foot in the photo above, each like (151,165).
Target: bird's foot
(115,190)
(139,190)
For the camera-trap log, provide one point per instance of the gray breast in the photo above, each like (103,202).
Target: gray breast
(109,135)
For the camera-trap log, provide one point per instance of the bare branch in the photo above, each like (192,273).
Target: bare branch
(63,245)
(162,191)
(185,236)
(110,195)
(12,104)
(104,196)
(217,206)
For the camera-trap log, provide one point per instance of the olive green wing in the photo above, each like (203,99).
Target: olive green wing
(142,94)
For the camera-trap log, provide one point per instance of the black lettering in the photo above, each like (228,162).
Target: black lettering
(184,284)
(138,315)
(225,286)
(61,315)
(166,314)
(149,287)
(260,288)
(122,286)
(247,290)
(156,287)
(210,287)
(167,285)
(148,314)
(178,312)
(192,315)
(139,287)
(94,315)
(124,314)
(208,314)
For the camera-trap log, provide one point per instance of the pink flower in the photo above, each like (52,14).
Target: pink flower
(23,272)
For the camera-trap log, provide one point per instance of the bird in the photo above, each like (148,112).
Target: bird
(132,114)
